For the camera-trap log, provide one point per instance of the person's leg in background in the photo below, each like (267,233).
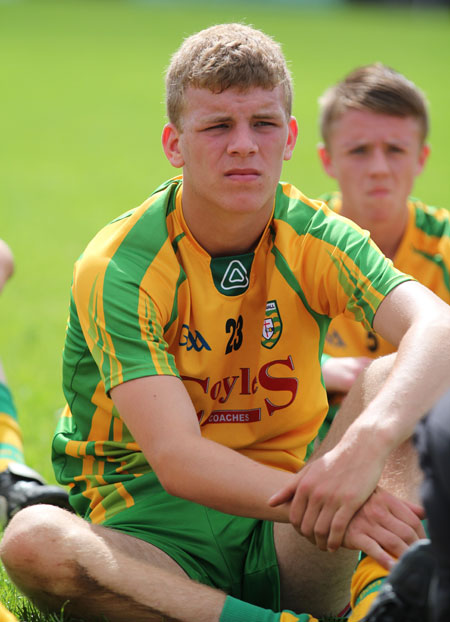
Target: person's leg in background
(20,485)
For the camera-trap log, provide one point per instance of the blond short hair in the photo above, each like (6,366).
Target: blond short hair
(225,56)
(377,88)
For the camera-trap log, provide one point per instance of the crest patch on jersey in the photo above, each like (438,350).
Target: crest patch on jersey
(231,274)
(272,325)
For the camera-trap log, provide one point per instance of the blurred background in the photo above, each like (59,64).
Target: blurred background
(82,111)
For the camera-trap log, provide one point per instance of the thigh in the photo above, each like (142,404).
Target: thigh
(232,553)
(311,580)
(58,559)
(135,548)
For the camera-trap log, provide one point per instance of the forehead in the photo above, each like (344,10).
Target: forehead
(201,103)
(365,126)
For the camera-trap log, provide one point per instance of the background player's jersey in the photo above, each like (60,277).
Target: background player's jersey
(423,253)
(245,334)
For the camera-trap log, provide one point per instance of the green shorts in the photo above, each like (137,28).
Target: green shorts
(234,554)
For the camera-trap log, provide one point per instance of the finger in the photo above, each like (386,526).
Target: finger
(338,527)
(403,530)
(322,526)
(417,509)
(421,532)
(390,542)
(297,511)
(316,520)
(406,513)
(283,495)
(374,550)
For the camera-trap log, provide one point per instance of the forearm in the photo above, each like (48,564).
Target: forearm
(161,417)
(219,477)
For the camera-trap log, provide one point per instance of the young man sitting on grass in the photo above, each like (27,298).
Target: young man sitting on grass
(193,381)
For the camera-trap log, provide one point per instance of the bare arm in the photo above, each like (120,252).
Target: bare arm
(6,263)
(418,322)
(333,487)
(159,413)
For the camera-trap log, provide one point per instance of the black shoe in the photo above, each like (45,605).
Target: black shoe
(21,486)
(404,596)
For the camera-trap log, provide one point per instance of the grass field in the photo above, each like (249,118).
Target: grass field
(81,117)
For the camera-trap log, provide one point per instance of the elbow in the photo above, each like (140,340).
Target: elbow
(167,480)
(171,487)
(170,474)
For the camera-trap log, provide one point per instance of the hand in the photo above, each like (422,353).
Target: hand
(384,527)
(328,491)
(339,373)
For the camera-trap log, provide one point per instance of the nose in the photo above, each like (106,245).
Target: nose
(242,142)
(379,164)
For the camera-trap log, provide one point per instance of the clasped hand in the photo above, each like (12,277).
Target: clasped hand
(335,505)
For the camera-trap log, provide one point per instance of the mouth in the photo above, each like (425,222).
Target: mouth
(379,192)
(242,174)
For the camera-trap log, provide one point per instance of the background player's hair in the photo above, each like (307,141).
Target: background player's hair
(377,88)
(224,56)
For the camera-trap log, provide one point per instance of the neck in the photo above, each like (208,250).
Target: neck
(221,239)
(387,233)
(387,240)
(222,232)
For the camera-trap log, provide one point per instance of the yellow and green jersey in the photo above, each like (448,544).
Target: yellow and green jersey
(244,333)
(424,253)
(11,444)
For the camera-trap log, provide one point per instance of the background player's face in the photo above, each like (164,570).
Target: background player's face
(375,159)
(231,147)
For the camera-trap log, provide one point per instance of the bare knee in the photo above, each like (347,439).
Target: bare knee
(37,551)
(32,536)
(370,381)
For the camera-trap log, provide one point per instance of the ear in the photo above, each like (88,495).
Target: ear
(291,139)
(325,158)
(171,144)
(423,157)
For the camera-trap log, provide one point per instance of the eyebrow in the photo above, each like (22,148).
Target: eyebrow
(221,118)
(361,143)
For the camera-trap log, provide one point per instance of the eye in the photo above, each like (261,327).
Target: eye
(395,149)
(358,150)
(216,126)
(265,124)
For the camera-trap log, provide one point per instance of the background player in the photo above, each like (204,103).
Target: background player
(20,485)
(374,126)
(194,346)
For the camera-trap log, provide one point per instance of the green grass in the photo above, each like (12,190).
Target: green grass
(81,118)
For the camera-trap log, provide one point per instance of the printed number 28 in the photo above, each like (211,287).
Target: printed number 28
(235,328)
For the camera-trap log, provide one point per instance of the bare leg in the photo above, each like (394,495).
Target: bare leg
(321,583)
(402,475)
(55,557)
(311,580)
